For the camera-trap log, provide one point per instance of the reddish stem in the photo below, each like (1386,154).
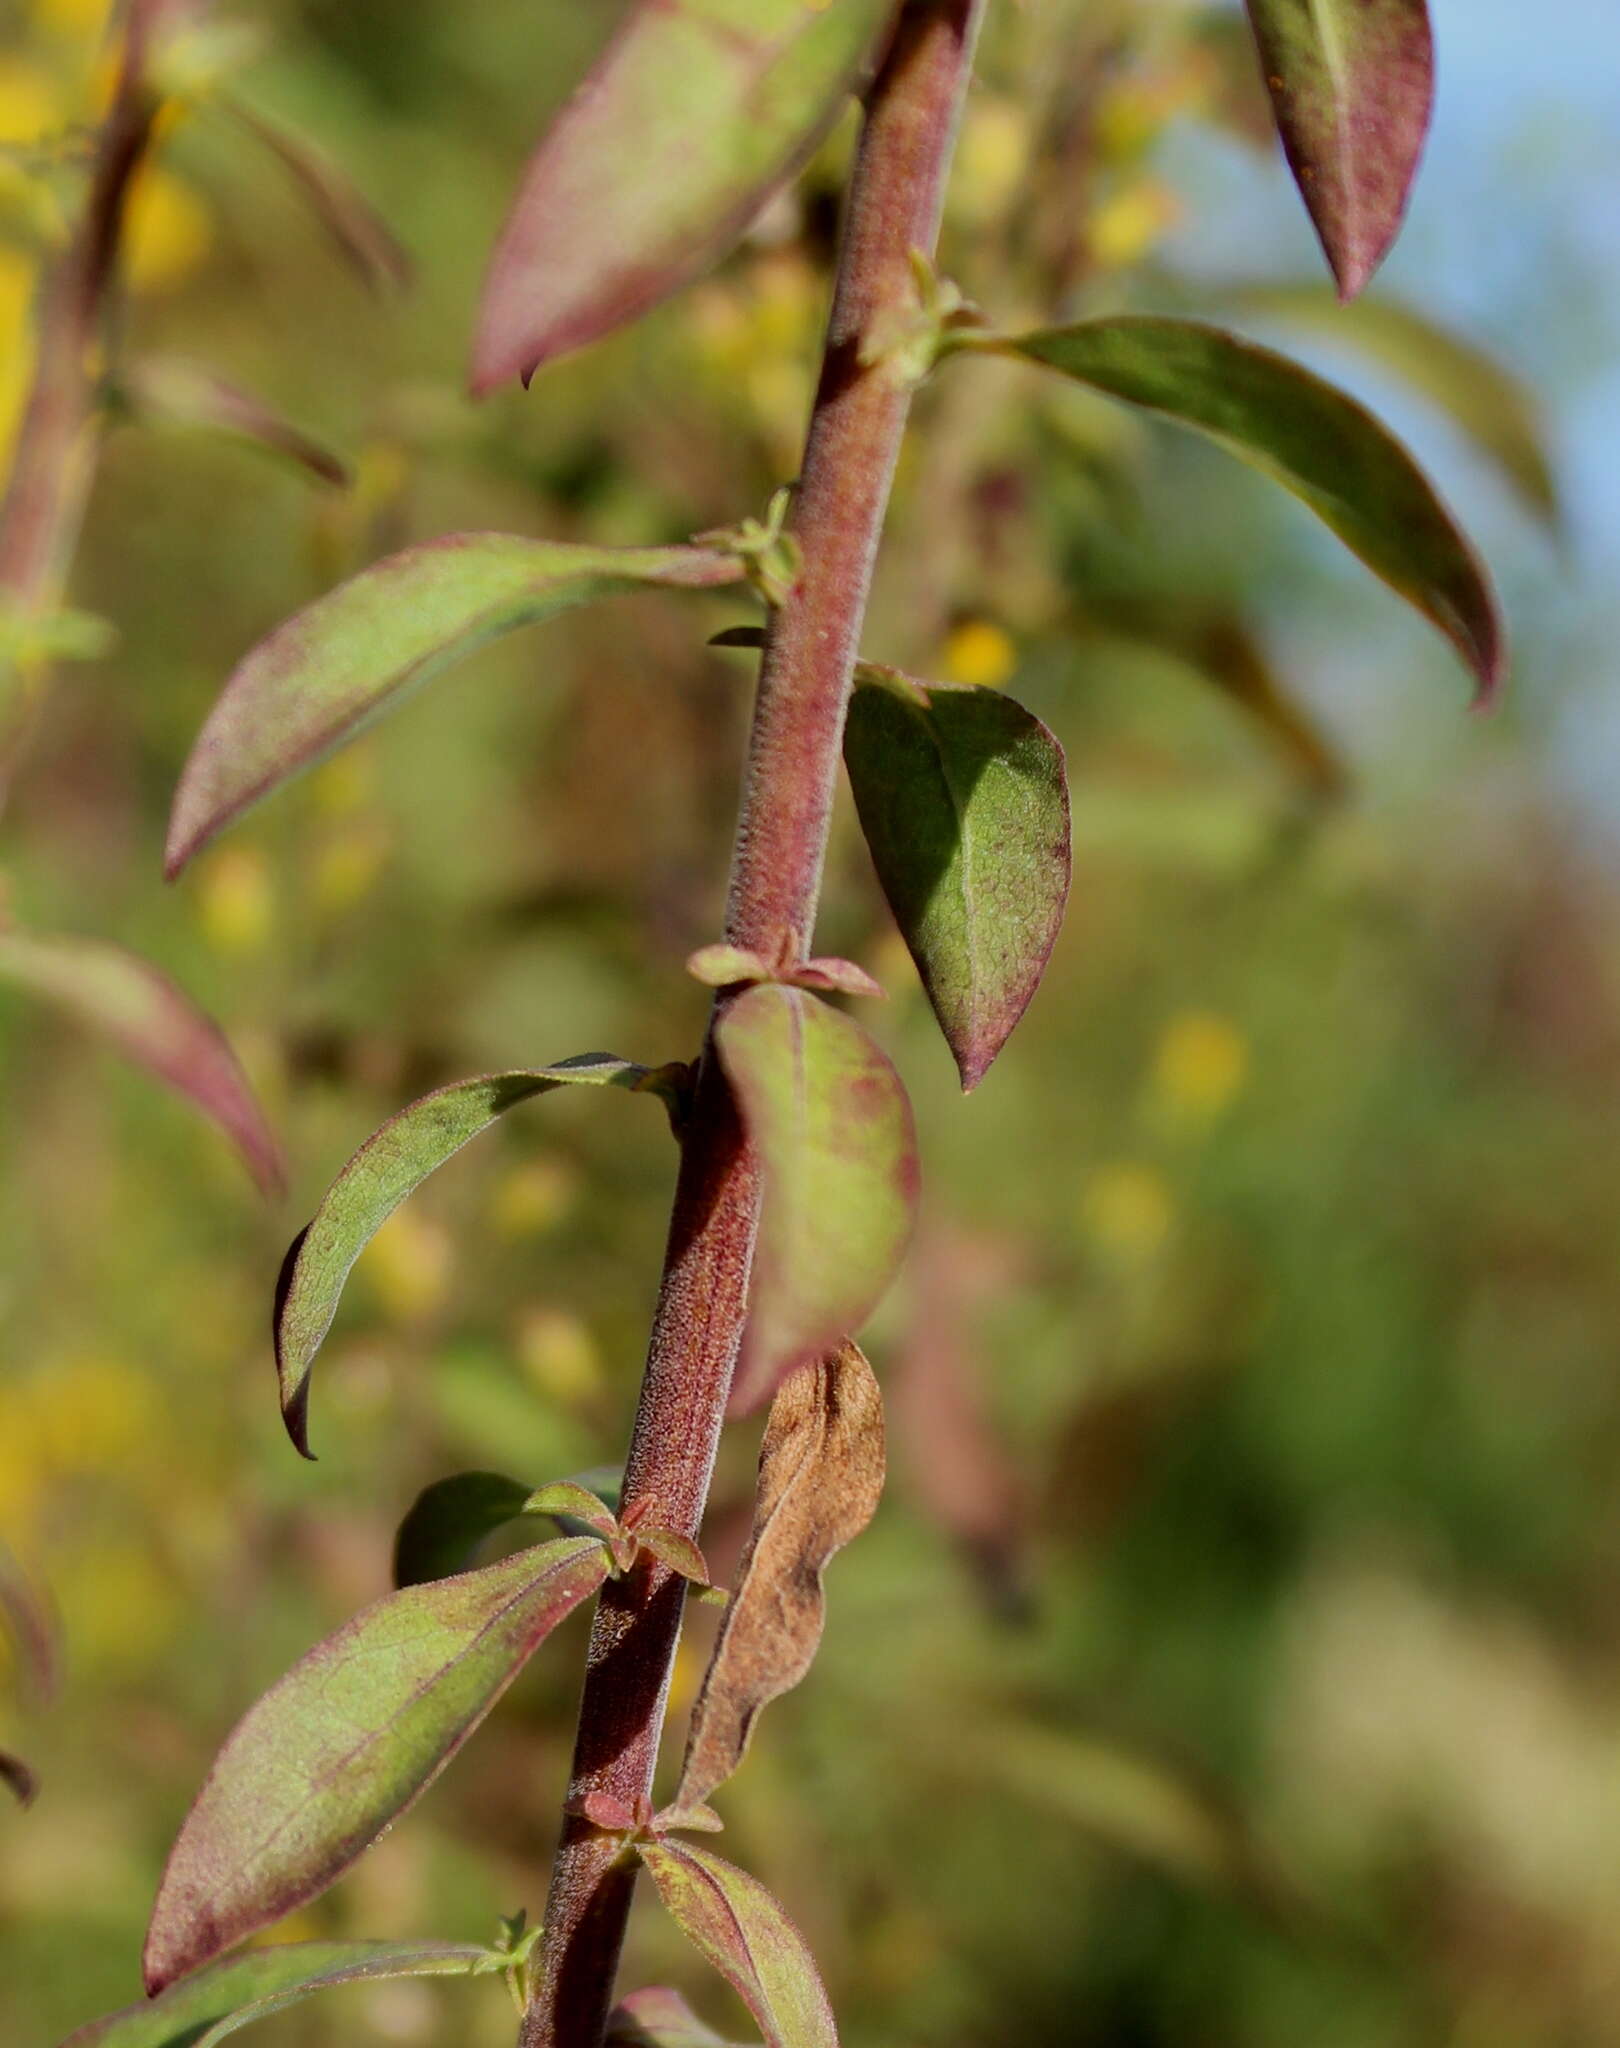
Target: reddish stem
(854,440)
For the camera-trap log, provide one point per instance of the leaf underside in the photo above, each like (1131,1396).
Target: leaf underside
(635,189)
(659,2018)
(821,1469)
(352,654)
(735,1922)
(214,2003)
(153,1023)
(342,1745)
(834,1132)
(1352,89)
(964,802)
(391,1163)
(1309,437)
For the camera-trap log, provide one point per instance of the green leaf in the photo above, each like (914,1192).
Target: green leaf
(151,1022)
(835,1137)
(447,1522)
(358,232)
(339,663)
(696,112)
(340,1747)
(1309,437)
(1492,406)
(734,1921)
(1352,87)
(965,806)
(659,2018)
(388,1166)
(215,2003)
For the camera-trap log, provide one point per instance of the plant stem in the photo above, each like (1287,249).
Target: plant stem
(854,440)
(54,461)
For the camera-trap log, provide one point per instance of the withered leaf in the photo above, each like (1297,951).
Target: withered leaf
(820,1476)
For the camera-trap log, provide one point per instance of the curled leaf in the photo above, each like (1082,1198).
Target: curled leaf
(18,1778)
(964,801)
(636,189)
(342,1745)
(391,1163)
(447,1522)
(153,1023)
(659,2018)
(820,1478)
(1352,87)
(1309,437)
(735,1922)
(835,1137)
(207,2007)
(173,393)
(339,663)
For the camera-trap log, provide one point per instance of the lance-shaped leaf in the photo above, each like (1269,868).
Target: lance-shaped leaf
(340,1747)
(388,1166)
(1480,396)
(151,1022)
(170,392)
(1308,436)
(659,2018)
(835,1137)
(820,1478)
(734,1921)
(357,230)
(1352,86)
(214,2003)
(449,1520)
(641,184)
(965,805)
(336,665)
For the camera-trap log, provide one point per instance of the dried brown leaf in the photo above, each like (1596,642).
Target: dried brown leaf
(820,1476)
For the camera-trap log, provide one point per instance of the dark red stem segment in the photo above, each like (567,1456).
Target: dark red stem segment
(854,440)
(54,458)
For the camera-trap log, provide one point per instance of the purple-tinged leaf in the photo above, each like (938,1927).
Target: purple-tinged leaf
(964,802)
(169,392)
(338,1749)
(391,1163)
(153,1023)
(1352,87)
(447,1522)
(679,1552)
(722,966)
(1479,395)
(349,656)
(357,230)
(697,111)
(829,975)
(834,1133)
(659,2018)
(1309,437)
(733,1920)
(820,1479)
(207,2007)
(569,1501)
(18,1779)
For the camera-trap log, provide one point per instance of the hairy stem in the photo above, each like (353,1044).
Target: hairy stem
(854,440)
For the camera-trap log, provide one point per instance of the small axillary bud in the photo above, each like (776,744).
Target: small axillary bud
(770,555)
(906,340)
(725,966)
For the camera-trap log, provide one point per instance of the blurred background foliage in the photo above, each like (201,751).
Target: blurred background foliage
(1235,1658)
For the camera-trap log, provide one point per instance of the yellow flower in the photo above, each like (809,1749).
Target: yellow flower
(559,1355)
(168,231)
(992,160)
(980,654)
(30,106)
(1199,1068)
(1127,1212)
(94,1414)
(83,20)
(348,865)
(533,1198)
(1124,227)
(407,1265)
(237,901)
